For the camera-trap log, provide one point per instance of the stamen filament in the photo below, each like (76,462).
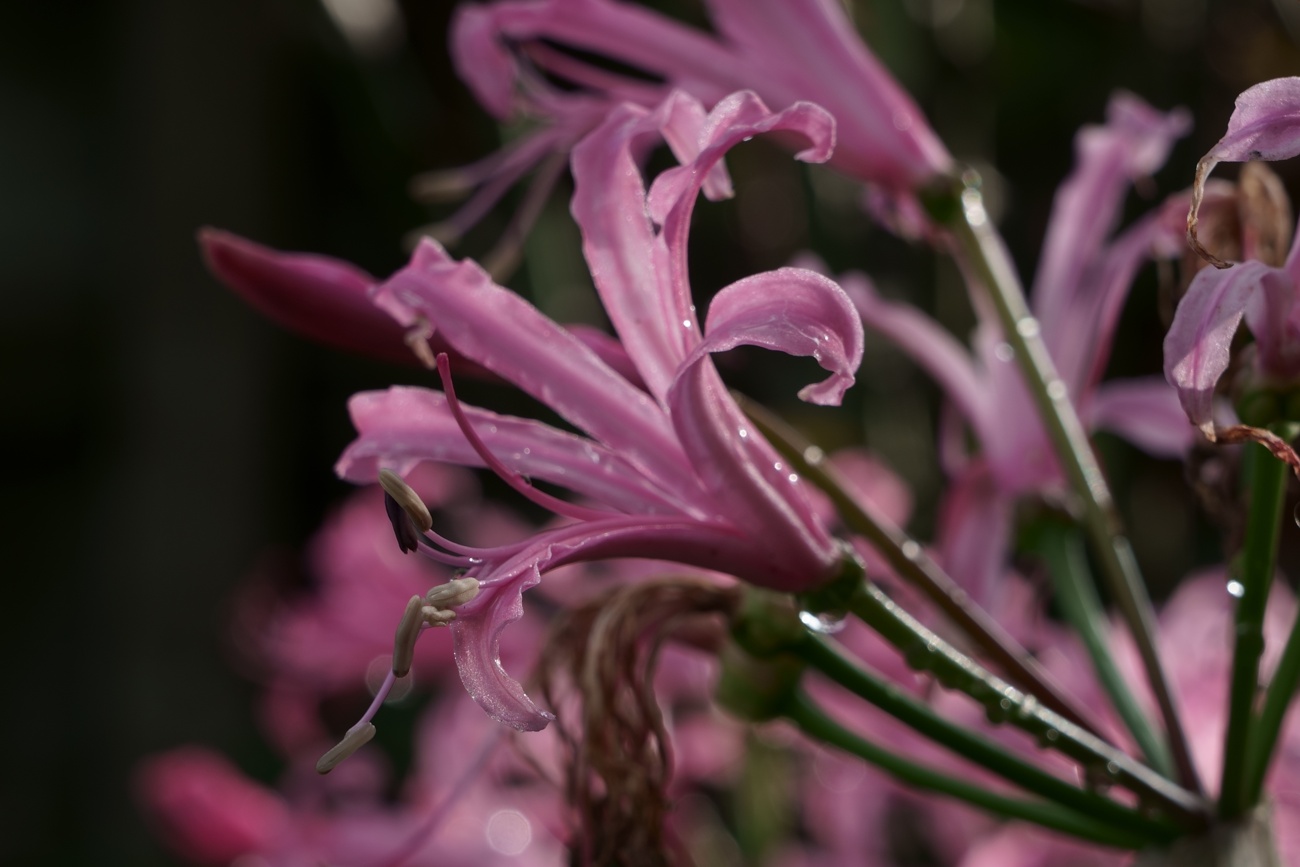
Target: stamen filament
(507,475)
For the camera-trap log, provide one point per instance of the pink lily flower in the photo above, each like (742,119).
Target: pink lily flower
(674,471)
(785,50)
(1077,296)
(1265,125)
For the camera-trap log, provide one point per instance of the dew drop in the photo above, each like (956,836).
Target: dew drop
(1236,588)
(814,456)
(742,433)
(793,477)
(1027,327)
(1057,390)
(823,623)
(1048,738)
(911,550)
(1004,352)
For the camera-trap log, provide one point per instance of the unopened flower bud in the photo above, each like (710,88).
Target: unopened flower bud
(357,737)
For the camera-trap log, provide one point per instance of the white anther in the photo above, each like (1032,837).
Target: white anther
(356,738)
(406,497)
(407,631)
(453,594)
(437,616)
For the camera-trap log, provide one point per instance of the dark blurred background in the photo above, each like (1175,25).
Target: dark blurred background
(163,441)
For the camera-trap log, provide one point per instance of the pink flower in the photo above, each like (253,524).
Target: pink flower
(1083,278)
(785,50)
(672,472)
(205,808)
(1265,125)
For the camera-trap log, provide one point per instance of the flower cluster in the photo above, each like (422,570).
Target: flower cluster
(699,556)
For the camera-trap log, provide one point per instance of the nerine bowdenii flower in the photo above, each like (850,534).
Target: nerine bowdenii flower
(667,467)
(1265,125)
(1084,276)
(534,59)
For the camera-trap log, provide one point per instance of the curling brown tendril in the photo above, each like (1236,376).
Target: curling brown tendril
(605,654)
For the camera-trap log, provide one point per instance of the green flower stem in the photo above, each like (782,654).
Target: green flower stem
(985,258)
(1255,573)
(815,723)
(1277,700)
(1062,549)
(820,655)
(926,651)
(913,565)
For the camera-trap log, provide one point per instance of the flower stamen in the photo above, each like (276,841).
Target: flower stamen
(493,463)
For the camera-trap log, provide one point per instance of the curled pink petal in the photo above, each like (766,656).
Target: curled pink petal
(1265,125)
(504,333)
(794,311)
(1197,345)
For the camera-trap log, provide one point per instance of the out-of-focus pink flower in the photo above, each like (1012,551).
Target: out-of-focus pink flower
(205,808)
(470,801)
(1083,278)
(1266,126)
(674,470)
(511,53)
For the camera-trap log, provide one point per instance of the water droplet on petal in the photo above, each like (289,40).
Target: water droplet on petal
(742,433)
(1236,588)
(1004,352)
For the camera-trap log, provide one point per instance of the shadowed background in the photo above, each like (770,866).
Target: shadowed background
(163,441)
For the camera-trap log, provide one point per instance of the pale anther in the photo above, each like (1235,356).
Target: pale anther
(407,498)
(356,738)
(453,594)
(407,631)
(437,616)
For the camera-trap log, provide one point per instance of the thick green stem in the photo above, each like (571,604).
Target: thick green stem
(1253,576)
(987,263)
(808,717)
(1067,566)
(910,561)
(820,655)
(926,651)
(1277,701)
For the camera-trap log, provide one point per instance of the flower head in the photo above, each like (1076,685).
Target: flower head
(1083,278)
(669,469)
(1265,125)
(530,58)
